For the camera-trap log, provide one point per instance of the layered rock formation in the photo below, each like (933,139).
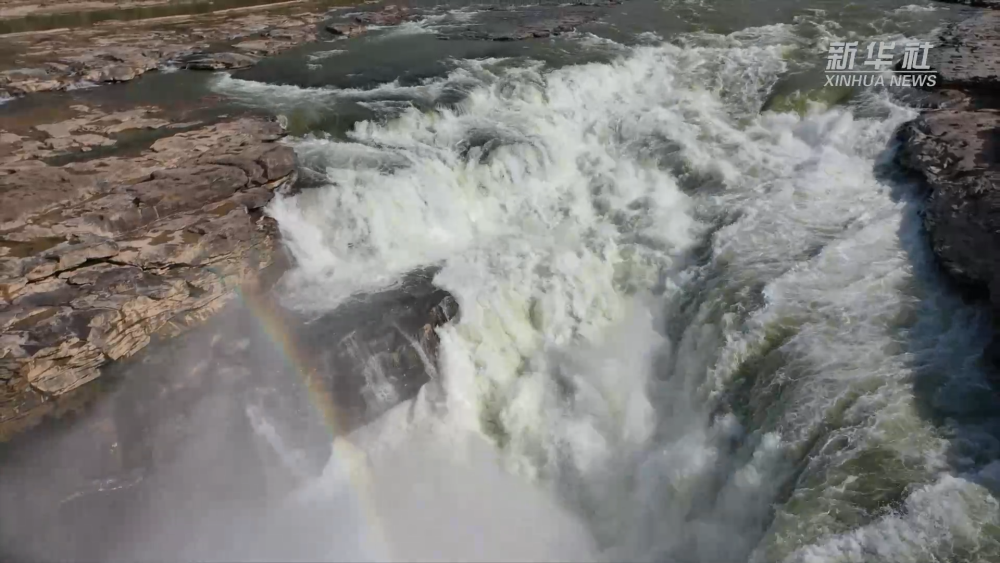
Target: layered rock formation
(88,129)
(95,257)
(135,303)
(123,51)
(953,148)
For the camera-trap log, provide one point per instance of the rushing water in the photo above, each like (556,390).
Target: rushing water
(690,331)
(700,332)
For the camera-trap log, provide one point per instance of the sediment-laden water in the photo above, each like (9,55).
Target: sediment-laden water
(690,330)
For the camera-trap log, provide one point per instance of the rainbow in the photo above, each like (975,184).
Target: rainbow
(272,320)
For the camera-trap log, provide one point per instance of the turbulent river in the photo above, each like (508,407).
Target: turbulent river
(699,321)
(689,331)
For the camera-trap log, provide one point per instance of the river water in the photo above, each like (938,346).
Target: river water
(690,330)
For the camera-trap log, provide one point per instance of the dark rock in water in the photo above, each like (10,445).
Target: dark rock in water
(955,151)
(346,29)
(380,348)
(220,61)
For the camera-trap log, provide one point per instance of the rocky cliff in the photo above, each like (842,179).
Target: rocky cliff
(953,148)
(97,256)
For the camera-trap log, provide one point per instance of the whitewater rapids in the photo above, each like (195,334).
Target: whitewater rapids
(689,332)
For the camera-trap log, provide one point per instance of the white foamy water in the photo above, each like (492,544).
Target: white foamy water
(688,332)
(321,55)
(916,8)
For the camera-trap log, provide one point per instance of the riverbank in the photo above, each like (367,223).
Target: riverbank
(662,315)
(120,51)
(124,223)
(151,217)
(952,148)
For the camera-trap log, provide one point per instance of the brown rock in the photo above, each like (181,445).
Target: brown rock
(92,265)
(34,189)
(955,152)
(113,73)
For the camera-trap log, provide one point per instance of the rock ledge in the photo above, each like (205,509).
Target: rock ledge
(97,257)
(953,148)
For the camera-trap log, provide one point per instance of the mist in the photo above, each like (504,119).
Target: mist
(211,448)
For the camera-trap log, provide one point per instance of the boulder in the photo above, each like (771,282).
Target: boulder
(378,349)
(346,29)
(955,152)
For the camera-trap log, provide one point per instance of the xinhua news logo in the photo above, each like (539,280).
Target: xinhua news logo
(842,67)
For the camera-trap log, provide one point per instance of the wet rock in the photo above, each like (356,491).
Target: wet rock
(97,257)
(968,55)
(955,152)
(346,29)
(955,149)
(379,349)
(221,61)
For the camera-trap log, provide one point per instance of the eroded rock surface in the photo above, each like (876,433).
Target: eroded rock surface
(955,150)
(968,55)
(90,128)
(97,256)
(123,51)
